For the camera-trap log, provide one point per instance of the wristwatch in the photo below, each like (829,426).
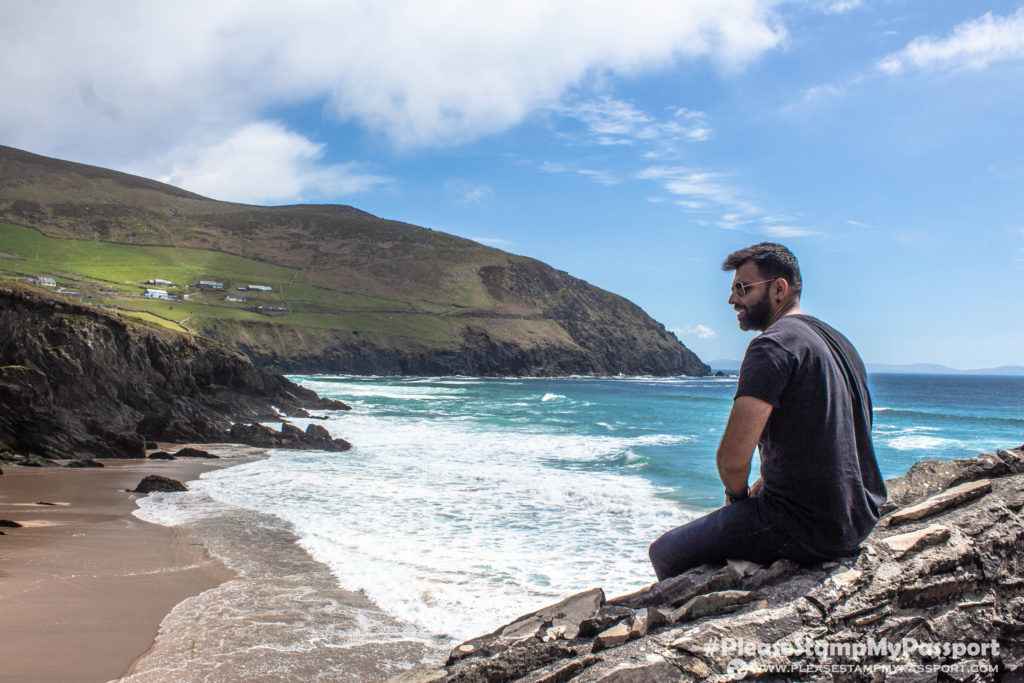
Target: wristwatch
(730,498)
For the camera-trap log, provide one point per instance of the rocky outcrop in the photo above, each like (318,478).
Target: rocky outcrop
(935,593)
(76,382)
(189,452)
(290,436)
(159,483)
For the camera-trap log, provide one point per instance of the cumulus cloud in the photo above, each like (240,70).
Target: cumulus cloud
(264,163)
(973,44)
(419,73)
(698,331)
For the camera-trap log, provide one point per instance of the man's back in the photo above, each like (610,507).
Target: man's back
(821,482)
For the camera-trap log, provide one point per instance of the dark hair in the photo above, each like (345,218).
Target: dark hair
(773,260)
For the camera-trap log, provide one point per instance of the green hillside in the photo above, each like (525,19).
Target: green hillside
(349,292)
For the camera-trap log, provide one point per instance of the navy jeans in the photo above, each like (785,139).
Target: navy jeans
(740,531)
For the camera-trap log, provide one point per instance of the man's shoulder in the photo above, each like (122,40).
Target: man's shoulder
(788,329)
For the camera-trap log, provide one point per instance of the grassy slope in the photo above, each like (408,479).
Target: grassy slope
(113,275)
(347,278)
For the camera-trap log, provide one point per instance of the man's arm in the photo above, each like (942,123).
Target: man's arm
(746,422)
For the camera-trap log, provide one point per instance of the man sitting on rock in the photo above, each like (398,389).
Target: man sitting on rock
(802,398)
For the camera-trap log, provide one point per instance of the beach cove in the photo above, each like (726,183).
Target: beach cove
(463,504)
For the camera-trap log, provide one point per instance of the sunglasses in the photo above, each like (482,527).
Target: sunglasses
(740,288)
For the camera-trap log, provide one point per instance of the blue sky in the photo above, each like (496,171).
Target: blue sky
(632,144)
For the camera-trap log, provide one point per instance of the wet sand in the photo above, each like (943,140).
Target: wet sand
(84,585)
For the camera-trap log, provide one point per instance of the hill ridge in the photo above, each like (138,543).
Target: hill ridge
(349,292)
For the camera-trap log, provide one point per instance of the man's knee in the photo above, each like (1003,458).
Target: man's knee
(660,555)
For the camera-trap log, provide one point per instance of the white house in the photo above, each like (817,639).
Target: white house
(260,288)
(156,293)
(42,281)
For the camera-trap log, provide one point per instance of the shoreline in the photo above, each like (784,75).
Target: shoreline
(84,584)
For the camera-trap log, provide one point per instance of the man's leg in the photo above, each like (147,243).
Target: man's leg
(738,532)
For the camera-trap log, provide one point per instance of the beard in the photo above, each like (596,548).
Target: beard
(755,316)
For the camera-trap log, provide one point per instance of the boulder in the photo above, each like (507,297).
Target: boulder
(157,482)
(161,455)
(10,524)
(936,584)
(189,452)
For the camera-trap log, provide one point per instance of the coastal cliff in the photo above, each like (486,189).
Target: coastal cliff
(935,593)
(316,288)
(77,383)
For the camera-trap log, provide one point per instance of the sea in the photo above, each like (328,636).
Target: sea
(467,502)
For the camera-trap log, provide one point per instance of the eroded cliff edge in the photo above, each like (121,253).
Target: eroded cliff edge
(77,383)
(936,593)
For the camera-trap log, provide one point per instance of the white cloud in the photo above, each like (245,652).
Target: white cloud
(788,231)
(148,76)
(493,241)
(698,331)
(610,121)
(467,192)
(711,193)
(973,44)
(696,189)
(264,163)
(602,177)
(842,6)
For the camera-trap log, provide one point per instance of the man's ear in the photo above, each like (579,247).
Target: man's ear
(781,289)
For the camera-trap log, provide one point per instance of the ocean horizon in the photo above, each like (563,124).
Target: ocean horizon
(467,502)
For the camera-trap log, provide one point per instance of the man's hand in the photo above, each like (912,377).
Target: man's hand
(746,422)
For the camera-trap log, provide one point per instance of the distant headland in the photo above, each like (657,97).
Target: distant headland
(315,288)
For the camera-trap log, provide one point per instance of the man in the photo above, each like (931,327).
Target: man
(802,398)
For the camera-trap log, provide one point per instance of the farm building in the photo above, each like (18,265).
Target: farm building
(42,281)
(260,288)
(210,284)
(156,293)
(158,282)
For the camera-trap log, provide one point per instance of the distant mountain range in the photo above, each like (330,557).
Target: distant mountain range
(732,365)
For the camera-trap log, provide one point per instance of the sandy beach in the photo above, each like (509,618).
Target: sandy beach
(84,585)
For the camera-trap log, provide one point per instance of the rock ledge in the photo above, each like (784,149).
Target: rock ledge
(935,593)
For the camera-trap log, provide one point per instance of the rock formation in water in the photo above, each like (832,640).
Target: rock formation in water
(935,593)
(77,382)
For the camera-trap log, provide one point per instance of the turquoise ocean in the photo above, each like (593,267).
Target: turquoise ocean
(467,502)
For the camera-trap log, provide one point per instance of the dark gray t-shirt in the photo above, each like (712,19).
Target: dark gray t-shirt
(821,481)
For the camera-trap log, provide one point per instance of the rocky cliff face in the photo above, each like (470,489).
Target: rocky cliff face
(936,593)
(76,382)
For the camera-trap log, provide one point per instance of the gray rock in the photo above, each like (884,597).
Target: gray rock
(903,544)
(616,635)
(958,495)
(711,603)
